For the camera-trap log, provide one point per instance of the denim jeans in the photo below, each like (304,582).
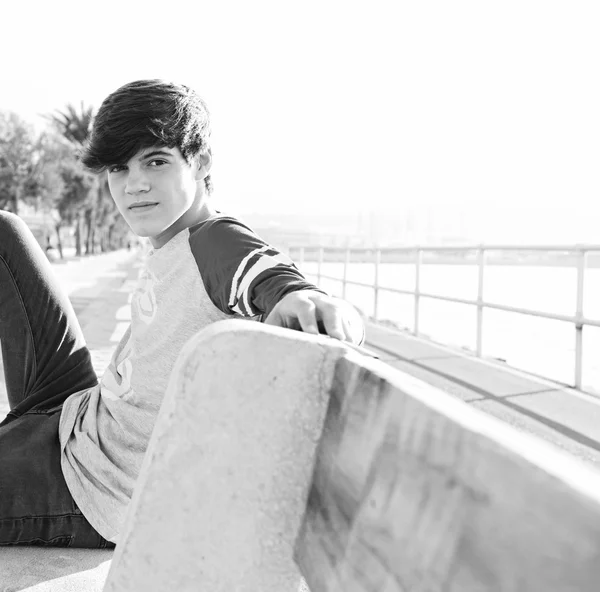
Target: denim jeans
(45,360)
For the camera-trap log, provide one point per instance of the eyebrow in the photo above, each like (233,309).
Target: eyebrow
(155,153)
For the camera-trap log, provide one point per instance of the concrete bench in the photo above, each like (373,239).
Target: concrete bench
(277,454)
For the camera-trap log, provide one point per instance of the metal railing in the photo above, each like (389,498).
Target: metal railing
(578,319)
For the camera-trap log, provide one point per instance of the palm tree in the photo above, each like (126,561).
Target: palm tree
(75,124)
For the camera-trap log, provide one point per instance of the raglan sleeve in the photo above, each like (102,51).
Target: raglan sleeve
(242,274)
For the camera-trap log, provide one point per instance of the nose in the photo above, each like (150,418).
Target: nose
(136,182)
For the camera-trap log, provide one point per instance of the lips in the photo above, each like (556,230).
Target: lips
(143,205)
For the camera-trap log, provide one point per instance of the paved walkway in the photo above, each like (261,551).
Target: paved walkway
(99,287)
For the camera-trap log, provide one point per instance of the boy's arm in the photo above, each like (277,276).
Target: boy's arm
(242,274)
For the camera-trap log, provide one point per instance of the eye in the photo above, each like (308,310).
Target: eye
(156,162)
(116,168)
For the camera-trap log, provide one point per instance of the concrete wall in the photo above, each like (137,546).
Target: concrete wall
(224,484)
(273,445)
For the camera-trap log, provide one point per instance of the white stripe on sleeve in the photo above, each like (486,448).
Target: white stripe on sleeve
(239,271)
(264,263)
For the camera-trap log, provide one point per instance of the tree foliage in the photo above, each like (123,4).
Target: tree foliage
(21,161)
(92,206)
(43,169)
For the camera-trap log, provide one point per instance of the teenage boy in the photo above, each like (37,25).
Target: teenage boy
(71,448)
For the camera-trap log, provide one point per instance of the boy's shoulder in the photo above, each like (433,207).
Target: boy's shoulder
(218,224)
(223,236)
(216,220)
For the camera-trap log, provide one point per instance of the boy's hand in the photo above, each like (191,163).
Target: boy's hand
(309,311)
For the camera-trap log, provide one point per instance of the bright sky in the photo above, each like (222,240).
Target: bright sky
(329,104)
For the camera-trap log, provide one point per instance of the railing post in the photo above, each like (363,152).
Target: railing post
(480,280)
(376,284)
(319,264)
(581,265)
(418,261)
(345,276)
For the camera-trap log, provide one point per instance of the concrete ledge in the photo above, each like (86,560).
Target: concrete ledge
(224,483)
(415,490)
(272,445)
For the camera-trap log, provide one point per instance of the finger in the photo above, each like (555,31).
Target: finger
(307,317)
(355,326)
(332,321)
(281,320)
(347,329)
(277,319)
(274,319)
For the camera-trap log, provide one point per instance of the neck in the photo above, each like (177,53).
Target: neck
(198,212)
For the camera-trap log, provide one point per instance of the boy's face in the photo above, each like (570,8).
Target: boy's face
(159,193)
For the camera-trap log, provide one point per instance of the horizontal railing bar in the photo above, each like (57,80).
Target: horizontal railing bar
(337,279)
(504,307)
(326,277)
(462,248)
(493,305)
(389,289)
(447,298)
(546,315)
(362,284)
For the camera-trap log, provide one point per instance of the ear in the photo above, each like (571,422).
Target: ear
(204,164)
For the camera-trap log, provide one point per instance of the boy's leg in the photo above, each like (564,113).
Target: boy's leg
(36,506)
(45,361)
(43,348)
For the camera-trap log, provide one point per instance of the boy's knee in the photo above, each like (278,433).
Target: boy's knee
(15,235)
(10,222)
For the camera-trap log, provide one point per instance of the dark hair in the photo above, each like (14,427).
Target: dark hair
(144,114)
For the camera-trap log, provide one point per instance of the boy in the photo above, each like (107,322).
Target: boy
(71,448)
